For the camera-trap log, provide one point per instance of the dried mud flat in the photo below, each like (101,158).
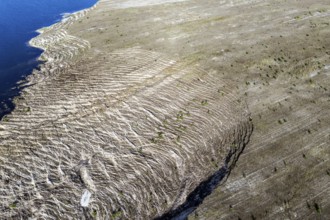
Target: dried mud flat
(140,102)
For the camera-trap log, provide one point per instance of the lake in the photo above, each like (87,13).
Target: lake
(19,19)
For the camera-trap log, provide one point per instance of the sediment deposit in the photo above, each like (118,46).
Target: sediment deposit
(126,133)
(141,104)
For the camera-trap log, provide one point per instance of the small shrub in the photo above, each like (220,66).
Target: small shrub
(204,102)
(317,207)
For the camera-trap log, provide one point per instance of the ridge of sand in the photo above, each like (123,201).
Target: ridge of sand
(161,97)
(114,132)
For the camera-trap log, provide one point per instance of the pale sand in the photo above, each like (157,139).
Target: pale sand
(138,103)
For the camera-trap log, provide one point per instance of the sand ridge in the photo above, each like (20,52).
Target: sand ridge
(159,99)
(117,133)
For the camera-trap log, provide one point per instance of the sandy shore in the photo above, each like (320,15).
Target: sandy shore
(139,102)
(116,132)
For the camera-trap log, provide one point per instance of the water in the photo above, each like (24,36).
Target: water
(18,21)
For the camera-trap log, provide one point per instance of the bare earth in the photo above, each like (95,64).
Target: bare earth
(141,104)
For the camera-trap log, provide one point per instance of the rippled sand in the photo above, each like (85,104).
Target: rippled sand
(140,102)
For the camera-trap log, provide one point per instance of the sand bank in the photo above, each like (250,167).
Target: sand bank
(138,104)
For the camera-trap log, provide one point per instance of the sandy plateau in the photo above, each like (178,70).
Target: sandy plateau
(141,108)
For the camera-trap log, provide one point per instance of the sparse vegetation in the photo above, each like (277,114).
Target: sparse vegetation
(204,102)
(317,207)
(116,215)
(168,61)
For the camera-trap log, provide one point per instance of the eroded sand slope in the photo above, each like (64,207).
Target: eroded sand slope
(114,133)
(140,101)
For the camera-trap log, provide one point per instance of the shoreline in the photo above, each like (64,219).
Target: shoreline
(22,83)
(52,35)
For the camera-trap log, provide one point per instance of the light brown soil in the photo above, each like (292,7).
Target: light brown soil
(138,103)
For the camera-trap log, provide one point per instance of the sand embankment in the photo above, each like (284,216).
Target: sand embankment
(114,131)
(152,98)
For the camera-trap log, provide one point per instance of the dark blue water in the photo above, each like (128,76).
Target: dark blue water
(18,21)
